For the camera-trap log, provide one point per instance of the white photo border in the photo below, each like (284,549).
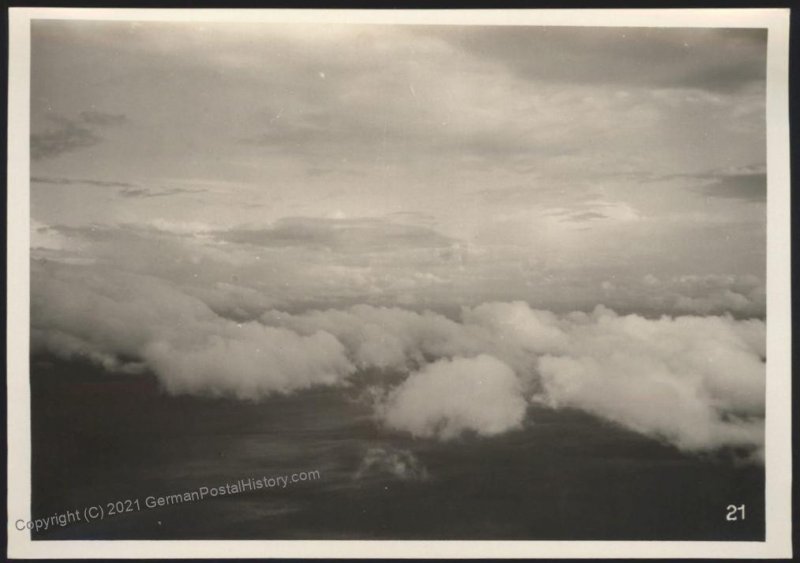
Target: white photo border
(778,542)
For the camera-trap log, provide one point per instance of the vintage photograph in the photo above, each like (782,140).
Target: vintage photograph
(374,281)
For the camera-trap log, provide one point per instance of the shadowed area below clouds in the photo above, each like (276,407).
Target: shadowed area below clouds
(562,475)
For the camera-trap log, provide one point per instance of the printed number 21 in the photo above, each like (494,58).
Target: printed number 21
(735,513)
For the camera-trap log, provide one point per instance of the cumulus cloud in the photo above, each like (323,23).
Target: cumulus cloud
(247,360)
(696,382)
(388,338)
(449,397)
(397,339)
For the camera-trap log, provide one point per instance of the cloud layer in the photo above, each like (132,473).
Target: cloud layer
(695,382)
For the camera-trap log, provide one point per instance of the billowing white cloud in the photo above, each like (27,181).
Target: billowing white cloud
(448,397)
(696,382)
(385,337)
(247,360)
(123,320)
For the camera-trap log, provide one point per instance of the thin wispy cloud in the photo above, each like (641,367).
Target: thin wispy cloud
(350,235)
(140,192)
(746,182)
(81,182)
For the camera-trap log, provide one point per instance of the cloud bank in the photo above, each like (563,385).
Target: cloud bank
(695,382)
(128,321)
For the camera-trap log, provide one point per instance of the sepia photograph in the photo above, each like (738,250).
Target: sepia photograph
(475,277)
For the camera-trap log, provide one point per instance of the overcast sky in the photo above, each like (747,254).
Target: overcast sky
(406,164)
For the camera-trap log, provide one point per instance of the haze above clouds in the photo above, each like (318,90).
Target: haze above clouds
(248,209)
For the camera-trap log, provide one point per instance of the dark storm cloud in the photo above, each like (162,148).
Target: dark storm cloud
(68,134)
(367,234)
(718,60)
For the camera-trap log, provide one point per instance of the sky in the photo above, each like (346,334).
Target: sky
(419,165)
(573,217)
